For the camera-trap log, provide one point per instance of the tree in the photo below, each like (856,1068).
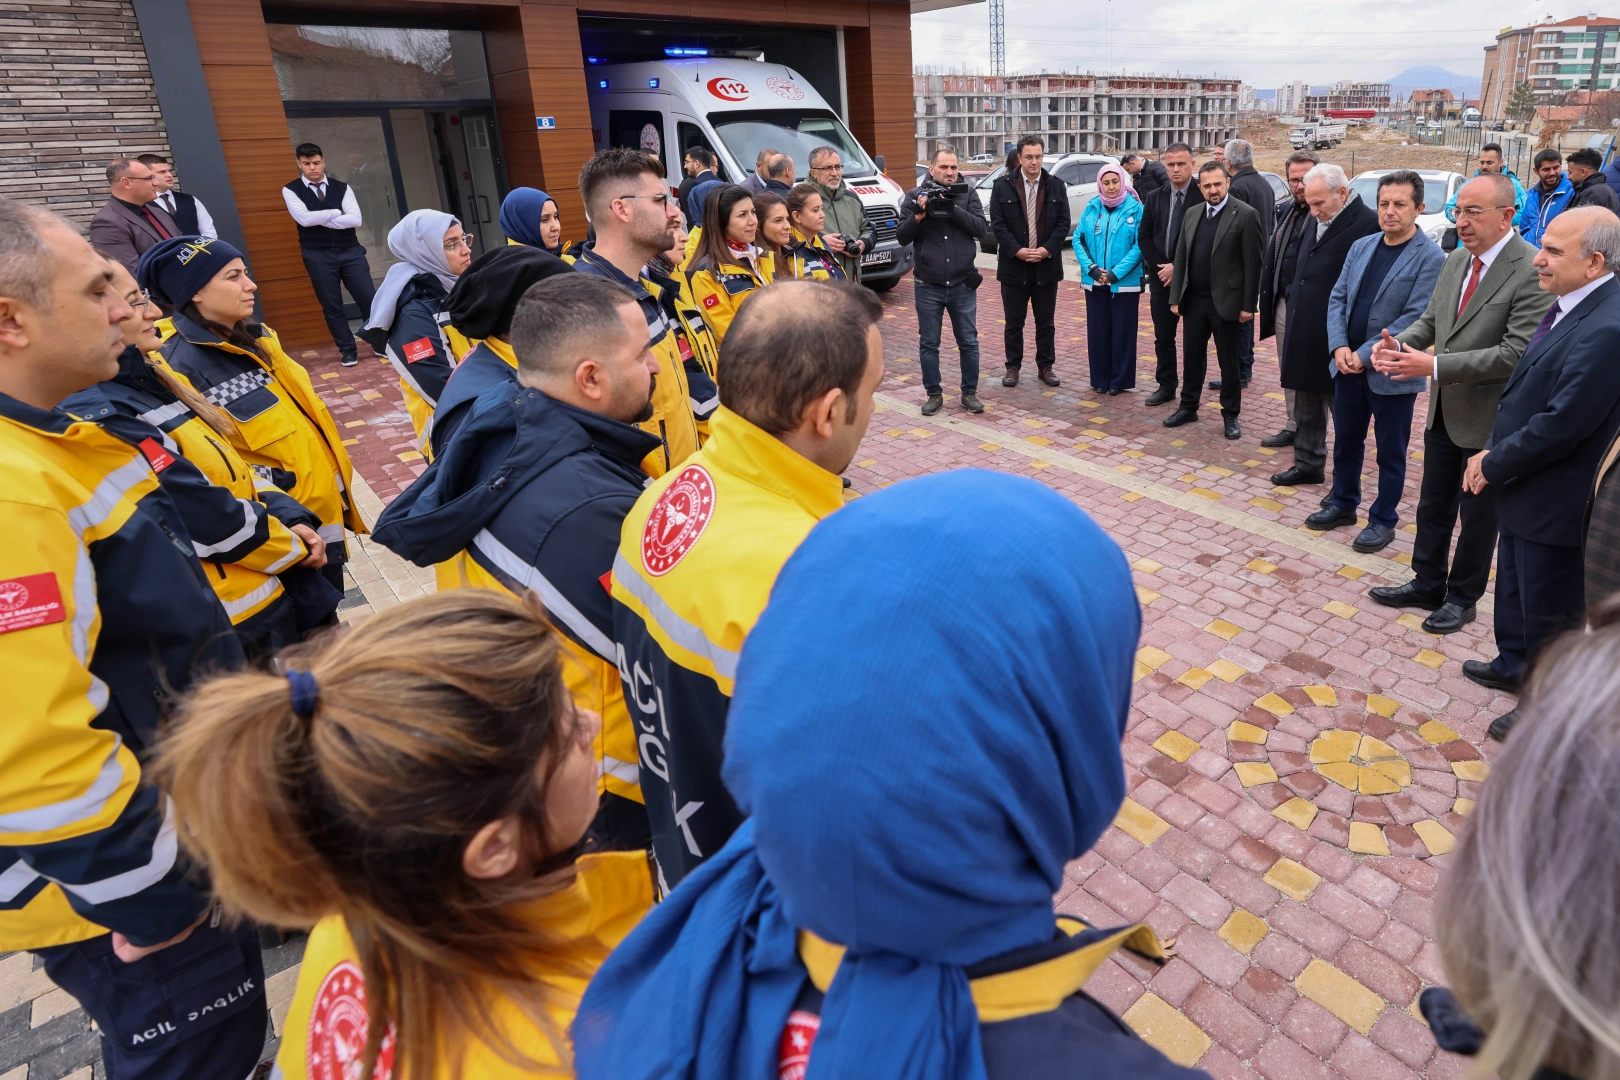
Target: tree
(1522,104)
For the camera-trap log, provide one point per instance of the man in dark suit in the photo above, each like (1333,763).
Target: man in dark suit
(1340,220)
(699,167)
(1216,289)
(1147,175)
(130,222)
(1029,213)
(1163,211)
(1557,416)
(1277,275)
(1251,187)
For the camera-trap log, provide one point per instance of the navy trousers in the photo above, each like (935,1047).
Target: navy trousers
(933,301)
(330,271)
(1354,407)
(1540,593)
(1111,337)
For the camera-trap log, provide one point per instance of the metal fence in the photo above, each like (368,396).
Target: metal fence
(1516,148)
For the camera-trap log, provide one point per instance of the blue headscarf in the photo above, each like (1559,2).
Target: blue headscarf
(520,217)
(918,771)
(172,271)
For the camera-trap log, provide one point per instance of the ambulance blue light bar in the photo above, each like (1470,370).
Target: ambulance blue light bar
(683,50)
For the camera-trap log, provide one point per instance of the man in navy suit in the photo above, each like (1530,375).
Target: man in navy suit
(1558,414)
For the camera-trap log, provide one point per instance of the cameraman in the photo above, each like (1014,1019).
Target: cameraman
(943,221)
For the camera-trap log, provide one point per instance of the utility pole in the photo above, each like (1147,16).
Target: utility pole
(998,37)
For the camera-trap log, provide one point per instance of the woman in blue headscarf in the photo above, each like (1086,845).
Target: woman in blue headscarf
(530,217)
(918,774)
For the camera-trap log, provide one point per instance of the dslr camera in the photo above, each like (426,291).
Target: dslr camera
(940,196)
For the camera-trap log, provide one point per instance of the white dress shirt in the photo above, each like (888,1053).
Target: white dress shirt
(1215,211)
(346,218)
(1568,301)
(205,221)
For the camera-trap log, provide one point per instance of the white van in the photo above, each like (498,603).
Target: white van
(737,108)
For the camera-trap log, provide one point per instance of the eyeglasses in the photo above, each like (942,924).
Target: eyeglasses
(1473,213)
(827,168)
(660,201)
(458,243)
(140,299)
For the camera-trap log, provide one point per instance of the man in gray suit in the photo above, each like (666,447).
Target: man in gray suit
(1487,304)
(1385,285)
(131,221)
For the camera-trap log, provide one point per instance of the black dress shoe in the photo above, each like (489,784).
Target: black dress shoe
(1045,375)
(1408,595)
(1115,393)
(1181,416)
(1214,384)
(1327,500)
(1331,518)
(1482,673)
(1296,476)
(1281,439)
(1502,725)
(1373,538)
(1163,395)
(1449,619)
(1011,377)
(1231,429)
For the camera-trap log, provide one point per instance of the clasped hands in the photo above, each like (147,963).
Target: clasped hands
(1397,359)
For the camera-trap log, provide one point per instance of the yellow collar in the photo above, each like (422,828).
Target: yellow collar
(502,350)
(1027,991)
(738,447)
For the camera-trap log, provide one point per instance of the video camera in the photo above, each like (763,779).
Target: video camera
(941,195)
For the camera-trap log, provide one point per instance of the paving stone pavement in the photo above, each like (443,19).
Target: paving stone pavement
(1300,760)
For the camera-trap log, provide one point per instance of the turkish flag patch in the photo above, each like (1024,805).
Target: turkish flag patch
(156,456)
(606,581)
(420,349)
(686,346)
(34,600)
(711,300)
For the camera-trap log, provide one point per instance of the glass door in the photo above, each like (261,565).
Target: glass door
(359,151)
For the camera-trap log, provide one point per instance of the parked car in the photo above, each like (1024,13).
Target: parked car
(982,159)
(1077,171)
(1438,187)
(1279,186)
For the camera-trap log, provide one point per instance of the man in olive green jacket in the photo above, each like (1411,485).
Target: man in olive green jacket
(845,217)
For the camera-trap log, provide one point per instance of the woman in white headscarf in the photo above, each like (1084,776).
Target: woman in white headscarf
(405,324)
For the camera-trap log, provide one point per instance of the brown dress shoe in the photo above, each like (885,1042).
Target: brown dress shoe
(1011,377)
(1046,376)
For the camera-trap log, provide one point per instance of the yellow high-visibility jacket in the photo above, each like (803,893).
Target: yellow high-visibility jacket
(697,558)
(720,291)
(809,257)
(104,613)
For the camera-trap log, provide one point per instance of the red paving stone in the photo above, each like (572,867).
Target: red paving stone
(1280,591)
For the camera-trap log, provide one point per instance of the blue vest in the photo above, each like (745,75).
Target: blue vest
(319,237)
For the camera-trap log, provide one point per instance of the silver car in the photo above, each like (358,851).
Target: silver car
(1077,171)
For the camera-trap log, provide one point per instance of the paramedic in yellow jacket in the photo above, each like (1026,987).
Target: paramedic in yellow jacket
(282,426)
(702,547)
(807,255)
(104,613)
(727,266)
(416,792)
(634,217)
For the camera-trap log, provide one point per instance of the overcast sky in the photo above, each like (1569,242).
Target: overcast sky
(1265,44)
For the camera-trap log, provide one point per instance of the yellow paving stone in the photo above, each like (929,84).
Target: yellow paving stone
(1040,464)
(989,446)
(1342,773)
(1176,443)
(1133,453)
(1292,879)
(1260,566)
(1125,468)
(1140,672)
(1435,836)
(1100,420)
(1147,566)
(922,433)
(1351,572)
(1088,404)
(1218,470)
(1166,1030)
(1266,504)
(1205,493)
(1239,731)
(1340,995)
(1194,677)
(1140,823)
(1297,812)
(1409,529)
(1037,440)
(1369,781)
(371,395)
(351,442)
(1285,491)
(1383,706)
(1091,433)
(1340,608)
(1367,839)
(1251,463)
(1145,596)
(1189,478)
(1052,393)
(1243,931)
(1263,450)
(1371,749)
(307,355)
(1413,622)
(1132,496)
(1223,629)
(1226,671)
(1274,396)
(1252,773)
(895,431)
(1397,770)
(1430,659)
(1334,746)
(868,462)
(1323,696)
(1474,771)
(1153,658)
(328,375)
(1028,422)
(1404,558)
(354,423)
(1463,807)
(1175,745)
(410,455)
(1436,732)
(1275,705)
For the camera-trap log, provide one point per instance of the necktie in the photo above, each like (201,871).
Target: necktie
(1543,329)
(1032,210)
(1473,283)
(167,202)
(151,217)
(1175,222)
(320,191)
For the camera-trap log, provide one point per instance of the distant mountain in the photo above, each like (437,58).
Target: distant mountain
(1433,78)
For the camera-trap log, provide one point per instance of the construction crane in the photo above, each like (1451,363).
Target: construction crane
(998,37)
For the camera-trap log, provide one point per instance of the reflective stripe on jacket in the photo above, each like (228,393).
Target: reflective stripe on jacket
(809,258)
(697,558)
(104,612)
(423,349)
(720,291)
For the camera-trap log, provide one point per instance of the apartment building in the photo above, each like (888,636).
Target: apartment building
(1110,114)
(1346,95)
(1554,57)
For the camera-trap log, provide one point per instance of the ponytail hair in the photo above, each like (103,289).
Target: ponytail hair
(429,721)
(237,334)
(211,414)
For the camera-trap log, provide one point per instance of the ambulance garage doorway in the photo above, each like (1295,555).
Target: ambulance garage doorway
(813,53)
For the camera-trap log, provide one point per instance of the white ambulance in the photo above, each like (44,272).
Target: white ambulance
(736,108)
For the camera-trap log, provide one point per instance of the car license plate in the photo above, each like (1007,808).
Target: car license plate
(877,258)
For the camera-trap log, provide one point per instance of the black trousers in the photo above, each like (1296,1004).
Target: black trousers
(1164,337)
(330,268)
(1440,501)
(1540,593)
(1043,299)
(1200,323)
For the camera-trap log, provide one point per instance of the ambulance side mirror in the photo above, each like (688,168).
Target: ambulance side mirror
(881,166)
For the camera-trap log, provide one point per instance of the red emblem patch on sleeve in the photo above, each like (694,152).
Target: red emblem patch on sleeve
(711,300)
(338,1022)
(685,346)
(35,600)
(798,1036)
(156,456)
(420,349)
(606,581)
(677,520)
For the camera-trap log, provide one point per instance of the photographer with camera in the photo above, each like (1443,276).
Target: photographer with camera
(943,221)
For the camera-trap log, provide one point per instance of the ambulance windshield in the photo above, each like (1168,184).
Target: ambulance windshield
(795,132)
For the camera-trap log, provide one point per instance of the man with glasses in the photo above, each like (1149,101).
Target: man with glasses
(131,221)
(1485,308)
(847,233)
